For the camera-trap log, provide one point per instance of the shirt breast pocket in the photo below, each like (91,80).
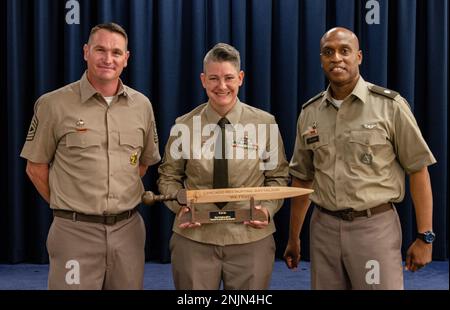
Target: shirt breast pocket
(82,150)
(319,145)
(78,141)
(131,145)
(368,149)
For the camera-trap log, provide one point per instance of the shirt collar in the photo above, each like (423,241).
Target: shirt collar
(233,116)
(88,91)
(360,91)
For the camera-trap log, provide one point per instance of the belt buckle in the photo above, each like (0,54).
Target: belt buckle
(110,219)
(347,215)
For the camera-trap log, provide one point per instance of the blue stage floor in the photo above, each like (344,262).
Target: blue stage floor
(159,277)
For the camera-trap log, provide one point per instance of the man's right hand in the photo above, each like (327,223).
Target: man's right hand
(182,211)
(292,253)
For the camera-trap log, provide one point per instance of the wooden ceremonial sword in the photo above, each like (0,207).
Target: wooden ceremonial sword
(189,197)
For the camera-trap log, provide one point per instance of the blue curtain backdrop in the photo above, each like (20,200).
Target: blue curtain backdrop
(279,43)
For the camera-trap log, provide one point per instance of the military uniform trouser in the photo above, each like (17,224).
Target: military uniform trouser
(96,256)
(364,253)
(202,266)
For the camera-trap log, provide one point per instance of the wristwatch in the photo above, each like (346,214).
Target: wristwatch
(427,237)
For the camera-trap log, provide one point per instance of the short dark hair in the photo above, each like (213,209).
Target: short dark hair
(112,27)
(223,52)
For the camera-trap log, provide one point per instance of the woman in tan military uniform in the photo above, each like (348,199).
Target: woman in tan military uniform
(241,255)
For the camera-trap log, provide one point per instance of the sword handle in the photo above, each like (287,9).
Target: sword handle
(149,198)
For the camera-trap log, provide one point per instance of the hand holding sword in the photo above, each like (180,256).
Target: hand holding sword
(189,197)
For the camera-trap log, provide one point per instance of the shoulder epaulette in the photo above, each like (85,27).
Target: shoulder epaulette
(307,103)
(383,91)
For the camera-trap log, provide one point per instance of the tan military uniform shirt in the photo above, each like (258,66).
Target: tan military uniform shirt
(94,150)
(193,174)
(357,155)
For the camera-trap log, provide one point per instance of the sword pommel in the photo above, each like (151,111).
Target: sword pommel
(149,198)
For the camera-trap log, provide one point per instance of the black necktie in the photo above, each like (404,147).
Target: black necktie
(220,176)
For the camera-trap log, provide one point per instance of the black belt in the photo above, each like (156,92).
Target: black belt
(101,219)
(350,214)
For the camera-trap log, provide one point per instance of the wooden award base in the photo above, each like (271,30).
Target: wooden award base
(223,216)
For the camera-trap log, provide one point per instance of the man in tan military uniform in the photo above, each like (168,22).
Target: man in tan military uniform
(355,141)
(88,146)
(239,254)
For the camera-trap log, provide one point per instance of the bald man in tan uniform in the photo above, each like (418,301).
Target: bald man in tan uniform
(241,255)
(88,146)
(355,141)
